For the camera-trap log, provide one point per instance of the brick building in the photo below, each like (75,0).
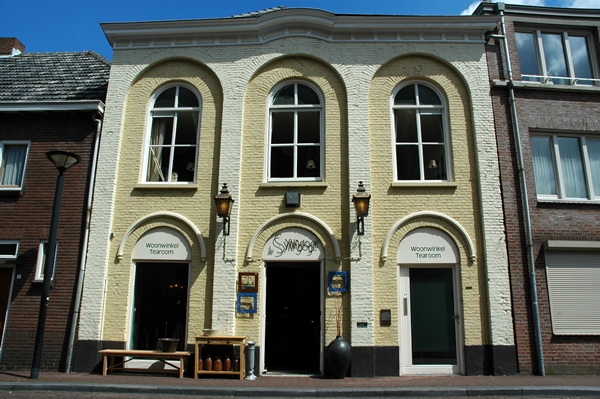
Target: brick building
(546,97)
(48,101)
(292,108)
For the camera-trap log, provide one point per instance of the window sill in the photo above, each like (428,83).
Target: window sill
(546,86)
(440,185)
(568,201)
(167,186)
(283,184)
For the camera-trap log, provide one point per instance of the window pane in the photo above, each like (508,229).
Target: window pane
(543,167)
(282,127)
(407,161)
(308,164)
(434,163)
(306,95)
(8,250)
(554,54)
(406,96)
(309,127)
(406,125)
(187,98)
(427,96)
(13,165)
(572,168)
(527,55)
(282,162)
(187,128)
(166,99)
(284,96)
(431,128)
(581,59)
(593,149)
(158,163)
(184,163)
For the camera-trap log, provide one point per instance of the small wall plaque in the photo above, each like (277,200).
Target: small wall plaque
(247,302)
(362,324)
(248,282)
(338,281)
(385,317)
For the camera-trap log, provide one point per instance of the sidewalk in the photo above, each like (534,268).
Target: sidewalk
(293,386)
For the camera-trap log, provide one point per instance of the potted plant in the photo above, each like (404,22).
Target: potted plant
(339,352)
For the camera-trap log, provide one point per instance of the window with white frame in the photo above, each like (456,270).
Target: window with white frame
(13,159)
(295,134)
(172,146)
(420,136)
(9,249)
(566,167)
(41,261)
(555,57)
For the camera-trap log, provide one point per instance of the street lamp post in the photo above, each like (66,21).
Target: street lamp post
(63,161)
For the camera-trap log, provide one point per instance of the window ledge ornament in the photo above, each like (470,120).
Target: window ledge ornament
(155,215)
(404,220)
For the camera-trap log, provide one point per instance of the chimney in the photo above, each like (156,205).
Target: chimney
(10,46)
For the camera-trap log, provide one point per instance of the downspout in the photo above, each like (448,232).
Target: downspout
(499,7)
(84,249)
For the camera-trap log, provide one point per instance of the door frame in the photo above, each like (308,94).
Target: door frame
(131,315)
(405,333)
(263,314)
(10,293)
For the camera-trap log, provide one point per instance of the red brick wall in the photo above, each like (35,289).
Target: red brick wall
(26,217)
(541,110)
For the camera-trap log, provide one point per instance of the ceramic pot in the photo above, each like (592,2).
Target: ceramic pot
(339,354)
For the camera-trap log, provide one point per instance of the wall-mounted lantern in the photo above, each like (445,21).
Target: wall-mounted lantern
(224,203)
(361,205)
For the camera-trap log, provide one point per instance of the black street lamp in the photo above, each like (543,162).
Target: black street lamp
(63,161)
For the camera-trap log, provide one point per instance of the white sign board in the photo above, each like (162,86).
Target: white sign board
(427,245)
(162,243)
(293,244)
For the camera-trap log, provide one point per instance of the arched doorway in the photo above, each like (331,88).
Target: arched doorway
(292,315)
(161,289)
(430,314)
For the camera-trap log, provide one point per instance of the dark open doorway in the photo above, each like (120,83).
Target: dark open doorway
(293,318)
(160,304)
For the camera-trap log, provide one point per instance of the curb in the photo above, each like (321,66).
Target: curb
(263,392)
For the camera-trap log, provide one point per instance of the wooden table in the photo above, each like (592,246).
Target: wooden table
(232,341)
(108,361)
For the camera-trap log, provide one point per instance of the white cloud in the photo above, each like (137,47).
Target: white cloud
(474,5)
(583,4)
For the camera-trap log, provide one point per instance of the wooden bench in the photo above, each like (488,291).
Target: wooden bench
(108,360)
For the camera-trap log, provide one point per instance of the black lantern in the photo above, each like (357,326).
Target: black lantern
(361,205)
(224,204)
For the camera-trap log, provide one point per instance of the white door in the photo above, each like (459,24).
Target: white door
(430,332)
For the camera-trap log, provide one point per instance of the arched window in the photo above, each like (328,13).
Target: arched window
(295,134)
(173,138)
(420,138)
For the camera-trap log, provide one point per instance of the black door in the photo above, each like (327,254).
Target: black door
(293,318)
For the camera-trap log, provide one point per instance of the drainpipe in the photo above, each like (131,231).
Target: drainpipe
(499,8)
(84,249)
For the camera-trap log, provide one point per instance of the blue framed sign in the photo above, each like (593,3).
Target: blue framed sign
(337,281)
(247,302)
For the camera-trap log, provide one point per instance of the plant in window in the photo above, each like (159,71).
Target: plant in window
(296,134)
(173,142)
(420,148)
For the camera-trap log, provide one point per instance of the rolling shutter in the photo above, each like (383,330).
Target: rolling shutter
(574,291)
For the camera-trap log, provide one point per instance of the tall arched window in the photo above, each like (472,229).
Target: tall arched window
(295,134)
(173,138)
(420,137)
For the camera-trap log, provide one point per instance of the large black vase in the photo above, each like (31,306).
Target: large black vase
(339,354)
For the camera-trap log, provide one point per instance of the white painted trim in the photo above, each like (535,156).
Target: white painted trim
(38,106)
(155,215)
(406,219)
(334,241)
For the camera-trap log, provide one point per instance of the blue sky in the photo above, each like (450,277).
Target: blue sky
(74,25)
